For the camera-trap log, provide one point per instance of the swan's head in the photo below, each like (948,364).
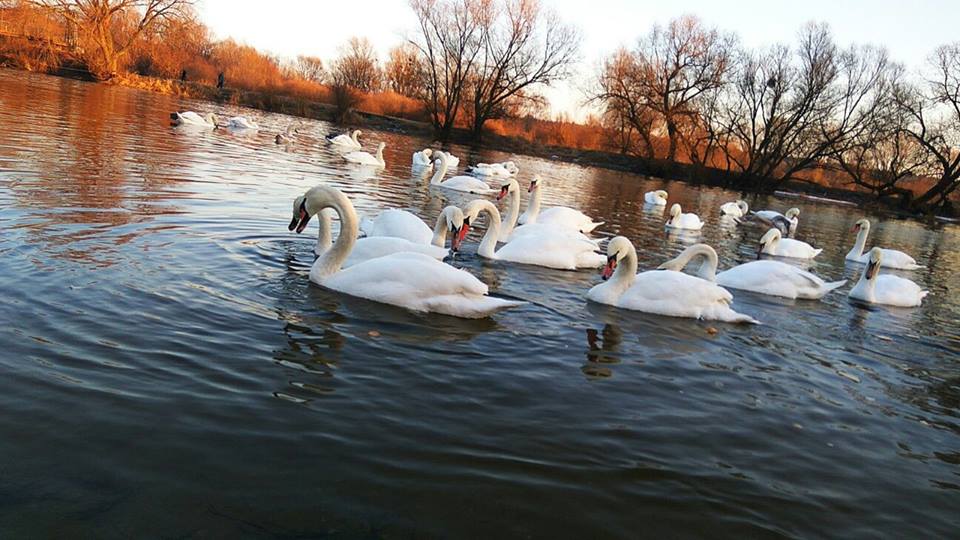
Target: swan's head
(381,146)
(770,238)
(873,263)
(280,138)
(301,216)
(661,194)
(675,210)
(471,212)
(454,218)
(212,118)
(535,184)
(742,204)
(617,249)
(357,133)
(427,152)
(792,213)
(511,167)
(510,187)
(862,225)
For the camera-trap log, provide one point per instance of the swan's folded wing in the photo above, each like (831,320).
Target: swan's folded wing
(673,293)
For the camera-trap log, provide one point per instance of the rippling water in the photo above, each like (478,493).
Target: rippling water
(169,370)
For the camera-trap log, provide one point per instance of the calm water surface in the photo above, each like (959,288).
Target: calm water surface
(169,371)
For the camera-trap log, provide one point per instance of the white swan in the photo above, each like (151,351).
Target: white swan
(891,257)
(507,168)
(409,280)
(508,227)
(457,183)
(287,136)
(378,246)
(350,142)
(734,209)
(398,223)
(558,216)
(773,278)
(658,197)
(365,158)
(773,243)
(552,251)
(190,118)
(452,160)
(787,221)
(679,220)
(241,123)
(661,292)
(877,288)
(422,158)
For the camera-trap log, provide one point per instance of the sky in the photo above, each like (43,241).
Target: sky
(909,30)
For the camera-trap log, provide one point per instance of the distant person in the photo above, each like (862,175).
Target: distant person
(183,76)
(220,81)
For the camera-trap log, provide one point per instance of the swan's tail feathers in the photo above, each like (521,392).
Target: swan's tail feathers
(470,306)
(817,252)
(726,314)
(923,294)
(831,286)
(366,226)
(593,225)
(915,267)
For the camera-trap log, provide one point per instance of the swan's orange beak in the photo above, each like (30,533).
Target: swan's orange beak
(460,235)
(299,221)
(533,186)
(503,192)
(609,267)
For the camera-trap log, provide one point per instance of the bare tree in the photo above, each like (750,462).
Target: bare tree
(310,68)
(449,40)
(404,73)
(96,22)
(522,46)
(624,105)
(356,66)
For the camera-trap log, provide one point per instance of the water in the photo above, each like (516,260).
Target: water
(169,371)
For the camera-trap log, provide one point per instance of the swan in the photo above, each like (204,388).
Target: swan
(190,118)
(552,251)
(287,136)
(241,123)
(891,257)
(457,183)
(364,158)
(403,224)
(507,168)
(422,158)
(679,220)
(377,246)
(661,292)
(508,232)
(787,222)
(658,197)
(558,216)
(773,278)
(452,160)
(734,209)
(773,243)
(351,141)
(877,288)
(413,281)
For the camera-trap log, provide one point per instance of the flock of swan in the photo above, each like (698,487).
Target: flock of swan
(396,258)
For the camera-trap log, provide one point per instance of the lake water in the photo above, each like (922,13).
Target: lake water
(169,371)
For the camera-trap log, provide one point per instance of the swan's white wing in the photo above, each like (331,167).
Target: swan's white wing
(897,291)
(378,246)
(665,292)
(551,250)
(542,229)
(773,278)
(399,224)
(567,217)
(467,183)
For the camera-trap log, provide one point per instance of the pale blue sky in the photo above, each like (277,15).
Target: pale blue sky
(909,30)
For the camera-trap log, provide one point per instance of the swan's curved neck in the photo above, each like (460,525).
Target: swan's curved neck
(513,214)
(626,272)
(439,173)
(861,242)
(325,236)
(440,230)
(533,205)
(708,268)
(489,243)
(355,136)
(329,263)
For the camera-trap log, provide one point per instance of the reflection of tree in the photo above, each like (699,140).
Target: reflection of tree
(602,348)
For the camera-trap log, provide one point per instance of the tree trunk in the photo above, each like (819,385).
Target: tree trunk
(672,136)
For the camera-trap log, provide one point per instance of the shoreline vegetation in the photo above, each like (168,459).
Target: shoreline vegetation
(817,120)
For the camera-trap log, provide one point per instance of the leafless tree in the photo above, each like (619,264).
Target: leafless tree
(357,66)
(97,22)
(404,73)
(310,68)
(618,91)
(523,46)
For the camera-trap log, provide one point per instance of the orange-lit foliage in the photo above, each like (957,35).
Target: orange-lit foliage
(393,104)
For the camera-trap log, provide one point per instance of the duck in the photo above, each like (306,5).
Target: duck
(558,216)
(456,183)
(892,258)
(557,251)
(422,158)
(773,243)
(190,118)
(679,220)
(876,288)
(786,222)
(412,281)
(660,292)
(398,223)
(365,158)
(658,197)
(343,140)
(242,123)
(772,278)
(735,209)
(508,227)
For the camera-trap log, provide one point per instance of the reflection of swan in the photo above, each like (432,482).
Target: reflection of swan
(558,251)
(774,244)
(772,278)
(403,224)
(242,123)
(734,209)
(557,216)
(364,158)
(877,288)
(661,292)
(511,190)
(422,158)
(409,280)
(679,220)
(658,197)
(457,183)
(891,257)
(190,118)
(785,222)
(351,141)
